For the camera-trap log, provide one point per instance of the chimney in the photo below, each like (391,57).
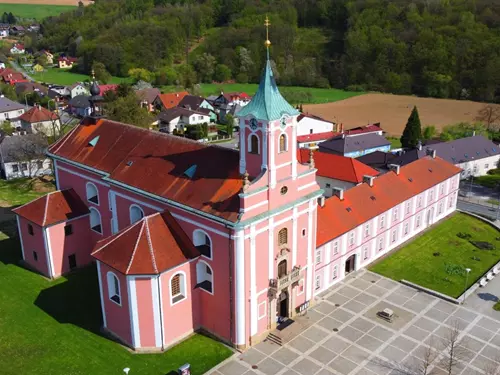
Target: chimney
(339,192)
(431,152)
(343,135)
(321,201)
(395,168)
(369,180)
(419,145)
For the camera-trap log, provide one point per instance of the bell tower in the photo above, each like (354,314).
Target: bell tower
(268,129)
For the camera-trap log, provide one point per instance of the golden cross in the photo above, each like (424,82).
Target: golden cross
(267,24)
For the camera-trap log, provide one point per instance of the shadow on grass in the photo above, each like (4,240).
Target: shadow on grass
(10,249)
(74,301)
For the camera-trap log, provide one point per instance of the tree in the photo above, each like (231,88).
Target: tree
(8,91)
(140,74)
(489,115)
(126,109)
(429,132)
(222,73)
(205,66)
(11,19)
(229,124)
(42,60)
(454,351)
(30,150)
(101,74)
(7,127)
(413,131)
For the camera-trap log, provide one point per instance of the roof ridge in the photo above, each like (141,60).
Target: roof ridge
(135,247)
(148,237)
(33,201)
(121,233)
(354,169)
(46,209)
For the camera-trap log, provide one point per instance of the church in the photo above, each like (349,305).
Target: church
(192,237)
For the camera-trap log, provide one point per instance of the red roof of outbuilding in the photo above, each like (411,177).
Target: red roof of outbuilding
(337,167)
(172,99)
(364,129)
(38,114)
(152,245)
(106,88)
(316,137)
(388,191)
(53,208)
(156,163)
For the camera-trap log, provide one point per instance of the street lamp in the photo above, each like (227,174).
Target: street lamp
(466,280)
(26,99)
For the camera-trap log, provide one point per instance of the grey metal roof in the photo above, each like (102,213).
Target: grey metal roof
(172,113)
(80,101)
(22,147)
(463,150)
(7,105)
(377,159)
(347,144)
(191,102)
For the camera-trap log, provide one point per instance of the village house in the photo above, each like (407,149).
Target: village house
(62,91)
(146,97)
(4,30)
(232,98)
(17,49)
(49,57)
(23,156)
(196,103)
(64,62)
(170,100)
(336,172)
(311,141)
(78,89)
(40,120)
(179,119)
(23,88)
(11,77)
(9,110)
(357,145)
(80,106)
(17,30)
(311,124)
(188,236)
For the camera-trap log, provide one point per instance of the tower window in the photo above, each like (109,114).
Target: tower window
(283,237)
(283,145)
(283,190)
(254,144)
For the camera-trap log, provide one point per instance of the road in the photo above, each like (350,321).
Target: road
(16,66)
(478,209)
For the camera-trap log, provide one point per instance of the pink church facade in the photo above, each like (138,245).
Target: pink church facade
(189,237)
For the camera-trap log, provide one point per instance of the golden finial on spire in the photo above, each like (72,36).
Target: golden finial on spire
(93,75)
(267,24)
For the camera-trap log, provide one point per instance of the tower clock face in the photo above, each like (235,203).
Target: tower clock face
(253,124)
(283,122)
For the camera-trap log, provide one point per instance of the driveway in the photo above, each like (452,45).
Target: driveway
(344,335)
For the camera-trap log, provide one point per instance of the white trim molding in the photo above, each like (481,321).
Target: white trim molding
(20,236)
(134,313)
(156,311)
(239,259)
(103,309)
(48,252)
(253,283)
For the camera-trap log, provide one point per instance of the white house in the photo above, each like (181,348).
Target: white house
(310,124)
(178,118)
(4,30)
(40,120)
(24,156)
(17,49)
(10,110)
(78,89)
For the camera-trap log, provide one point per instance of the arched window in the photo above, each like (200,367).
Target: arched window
(136,213)
(283,237)
(203,243)
(283,143)
(95,220)
(253,144)
(92,194)
(177,288)
(282,268)
(114,288)
(204,277)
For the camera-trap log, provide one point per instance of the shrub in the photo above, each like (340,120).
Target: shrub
(490,181)
(436,254)
(454,269)
(496,306)
(483,245)
(357,88)
(465,236)
(495,171)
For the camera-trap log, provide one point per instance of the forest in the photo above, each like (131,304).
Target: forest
(436,48)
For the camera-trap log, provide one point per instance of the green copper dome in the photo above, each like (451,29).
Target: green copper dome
(267,103)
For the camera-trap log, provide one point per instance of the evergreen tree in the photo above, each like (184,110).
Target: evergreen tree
(413,130)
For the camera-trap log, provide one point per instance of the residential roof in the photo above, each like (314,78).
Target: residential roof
(18,46)
(68,59)
(80,101)
(364,129)
(156,163)
(38,114)
(308,115)
(230,96)
(172,113)
(377,159)
(336,166)
(105,88)
(148,95)
(388,190)
(152,245)
(55,207)
(267,103)
(345,144)
(172,99)
(19,147)
(316,137)
(191,102)
(7,105)
(25,87)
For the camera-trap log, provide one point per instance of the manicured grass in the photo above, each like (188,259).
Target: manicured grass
(21,191)
(292,93)
(64,77)
(496,306)
(491,181)
(38,11)
(395,142)
(52,327)
(416,263)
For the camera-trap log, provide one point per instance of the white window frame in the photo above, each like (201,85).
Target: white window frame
(381,244)
(317,283)
(318,256)
(92,209)
(182,283)
(249,144)
(382,221)
(367,230)
(406,229)
(197,242)
(419,201)
(279,143)
(442,188)
(133,208)
(417,221)
(394,236)
(208,277)
(395,214)
(335,272)
(336,248)
(91,185)
(110,276)
(408,207)
(365,253)
(352,240)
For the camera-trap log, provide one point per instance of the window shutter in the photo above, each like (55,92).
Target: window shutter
(176,285)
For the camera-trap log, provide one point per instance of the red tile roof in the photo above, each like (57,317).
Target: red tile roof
(156,163)
(172,99)
(388,191)
(152,245)
(53,208)
(316,137)
(336,166)
(230,96)
(364,129)
(38,114)
(105,88)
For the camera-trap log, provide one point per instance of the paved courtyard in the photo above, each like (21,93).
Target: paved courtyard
(346,337)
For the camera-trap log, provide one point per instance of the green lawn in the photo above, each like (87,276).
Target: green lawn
(64,77)
(52,327)
(38,11)
(20,191)
(395,142)
(304,95)
(416,262)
